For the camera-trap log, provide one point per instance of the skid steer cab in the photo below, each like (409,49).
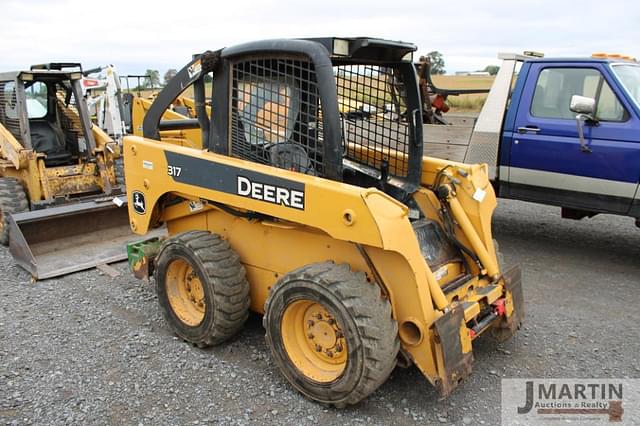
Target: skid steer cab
(311,203)
(58,175)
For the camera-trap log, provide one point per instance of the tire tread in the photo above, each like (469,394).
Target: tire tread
(221,266)
(371,314)
(13,199)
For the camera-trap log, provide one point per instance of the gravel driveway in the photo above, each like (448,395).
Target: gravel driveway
(88,348)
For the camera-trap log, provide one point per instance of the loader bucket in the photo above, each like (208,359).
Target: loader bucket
(68,238)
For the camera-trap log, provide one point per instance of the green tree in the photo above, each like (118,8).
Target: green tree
(437,62)
(171,72)
(154,78)
(492,69)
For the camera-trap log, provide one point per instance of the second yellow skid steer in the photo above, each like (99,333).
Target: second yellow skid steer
(360,253)
(62,204)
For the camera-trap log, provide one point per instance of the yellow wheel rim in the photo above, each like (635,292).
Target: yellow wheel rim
(185,292)
(314,341)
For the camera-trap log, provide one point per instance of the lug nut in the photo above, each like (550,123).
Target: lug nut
(319,316)
(310,323)
(331,321)
(338,347)
(310,335)
(329,354)
(318,348)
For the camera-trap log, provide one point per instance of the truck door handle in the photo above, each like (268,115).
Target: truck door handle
(528,129)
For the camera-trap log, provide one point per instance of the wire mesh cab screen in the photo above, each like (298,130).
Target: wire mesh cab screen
(69,117)
(276,116)
(9,109)
(275,113)
(372,104)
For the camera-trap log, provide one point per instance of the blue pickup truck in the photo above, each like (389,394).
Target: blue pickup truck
(563,132)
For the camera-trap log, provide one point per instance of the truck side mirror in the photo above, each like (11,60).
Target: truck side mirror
(584,107)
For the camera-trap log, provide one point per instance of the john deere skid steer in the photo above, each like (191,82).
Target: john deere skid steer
(361,253)
(59,188)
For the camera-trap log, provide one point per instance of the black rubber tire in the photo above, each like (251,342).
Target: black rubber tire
(499,256)
(224,282)
(499,334)
(13,199)
(118,166)
(364,317)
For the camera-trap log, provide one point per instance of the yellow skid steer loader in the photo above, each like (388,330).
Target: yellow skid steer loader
(360,253)
(62,203)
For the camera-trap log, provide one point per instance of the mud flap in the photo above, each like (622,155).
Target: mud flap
(507,326)
(457,364)
(68,238)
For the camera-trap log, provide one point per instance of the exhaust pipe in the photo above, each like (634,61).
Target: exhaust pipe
(60,240)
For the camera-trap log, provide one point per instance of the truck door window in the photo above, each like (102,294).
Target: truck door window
(609,107)
(556,86)
(629,75)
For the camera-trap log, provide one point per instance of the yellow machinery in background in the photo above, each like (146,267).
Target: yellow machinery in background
(60,209)
(181,111)
(360,253)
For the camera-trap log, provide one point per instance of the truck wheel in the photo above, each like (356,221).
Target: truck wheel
(331,333)
(13,199)
(202,287)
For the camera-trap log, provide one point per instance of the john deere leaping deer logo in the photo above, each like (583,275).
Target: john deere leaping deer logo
(195,69)
(139,204)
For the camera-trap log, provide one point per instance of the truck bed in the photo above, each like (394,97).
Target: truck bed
(449,142)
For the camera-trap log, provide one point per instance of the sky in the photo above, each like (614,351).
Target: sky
(139,35)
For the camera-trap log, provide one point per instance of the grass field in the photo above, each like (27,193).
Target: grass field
(471,103)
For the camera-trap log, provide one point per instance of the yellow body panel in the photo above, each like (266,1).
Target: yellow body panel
(475,214)
(191,105)
(11,151)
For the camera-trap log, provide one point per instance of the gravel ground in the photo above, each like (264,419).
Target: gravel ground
(88,348)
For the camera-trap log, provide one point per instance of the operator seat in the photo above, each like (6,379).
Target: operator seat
(291,156)
(48,139)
